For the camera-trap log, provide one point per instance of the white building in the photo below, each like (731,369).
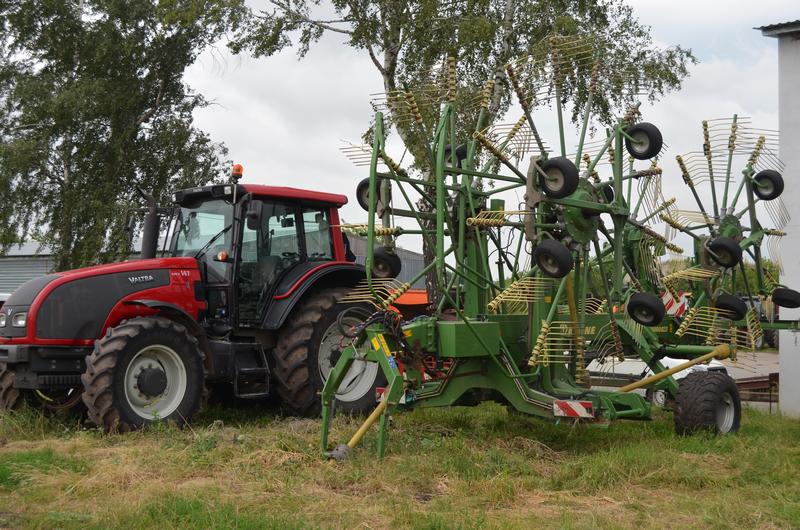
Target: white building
(788,35)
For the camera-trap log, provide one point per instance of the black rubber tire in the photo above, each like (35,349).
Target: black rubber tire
(788,298)
(103,381)
(362,194)
(10,398)
(385,264)
(699,395)
(651,139)
(771,337)
(646,309)
(553,258)
(772,182)
(607,192)
(732,304)
(565,180)
(728,252)
(461,153)
(296,373)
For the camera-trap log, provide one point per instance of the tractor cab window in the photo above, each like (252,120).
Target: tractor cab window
(317,234)
(203,230)
(269,248)
(284,235)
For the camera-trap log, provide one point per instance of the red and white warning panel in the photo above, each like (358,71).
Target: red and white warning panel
(573,409)
(675,307)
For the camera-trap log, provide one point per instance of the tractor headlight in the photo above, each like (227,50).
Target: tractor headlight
(19,320)
(2,320)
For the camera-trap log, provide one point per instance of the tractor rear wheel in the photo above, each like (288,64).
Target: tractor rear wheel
(143,371)
(707,401)
(10,398)
(309,345)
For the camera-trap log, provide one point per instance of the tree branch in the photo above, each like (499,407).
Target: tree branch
(146,115)
(380,66)
(322,24)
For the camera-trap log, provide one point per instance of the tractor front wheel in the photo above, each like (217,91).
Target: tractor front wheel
(10,398)
(143,371)
(309,345)
(707,401)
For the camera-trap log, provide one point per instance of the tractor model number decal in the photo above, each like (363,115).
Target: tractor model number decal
(573,409)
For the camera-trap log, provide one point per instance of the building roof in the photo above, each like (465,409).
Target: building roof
(781,28)
(28,248)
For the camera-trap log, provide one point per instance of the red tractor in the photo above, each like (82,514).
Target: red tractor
(247,294)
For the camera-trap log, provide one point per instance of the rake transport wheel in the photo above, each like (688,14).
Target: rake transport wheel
(309,345)
(10,398)
(144,370)
(707,401)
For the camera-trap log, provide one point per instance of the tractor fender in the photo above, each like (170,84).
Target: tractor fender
(328,275)
(172,312)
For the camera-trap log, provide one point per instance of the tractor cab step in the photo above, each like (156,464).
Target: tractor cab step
(251,375)
(244,364)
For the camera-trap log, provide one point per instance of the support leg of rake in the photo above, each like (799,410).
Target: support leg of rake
(329,392)
(393,394)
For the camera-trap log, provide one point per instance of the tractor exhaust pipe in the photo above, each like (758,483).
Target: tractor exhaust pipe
(151,225)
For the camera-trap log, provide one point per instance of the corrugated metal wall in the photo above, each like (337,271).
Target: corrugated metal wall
(16,271)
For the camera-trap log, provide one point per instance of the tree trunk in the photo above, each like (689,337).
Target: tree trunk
(499,71)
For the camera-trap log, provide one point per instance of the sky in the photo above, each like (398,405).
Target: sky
(285,119)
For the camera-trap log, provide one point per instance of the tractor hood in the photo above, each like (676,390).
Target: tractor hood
(76,304)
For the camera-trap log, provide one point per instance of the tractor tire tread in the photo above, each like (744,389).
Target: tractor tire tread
(291,353)
(696,401)
(10,398)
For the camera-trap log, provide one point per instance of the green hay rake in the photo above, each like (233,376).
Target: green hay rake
(576,272)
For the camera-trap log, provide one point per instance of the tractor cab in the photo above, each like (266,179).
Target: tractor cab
(252,243)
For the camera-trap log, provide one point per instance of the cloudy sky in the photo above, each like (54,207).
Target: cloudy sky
(285,119)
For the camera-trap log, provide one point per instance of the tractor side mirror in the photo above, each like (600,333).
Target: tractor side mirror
(253,214)
(287,222)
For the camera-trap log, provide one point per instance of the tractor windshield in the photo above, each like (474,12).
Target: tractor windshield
(204,228)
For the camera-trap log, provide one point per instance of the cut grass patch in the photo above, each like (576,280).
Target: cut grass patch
(480,467)
(17,467)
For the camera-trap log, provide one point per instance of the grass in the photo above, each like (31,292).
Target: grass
(459,468)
